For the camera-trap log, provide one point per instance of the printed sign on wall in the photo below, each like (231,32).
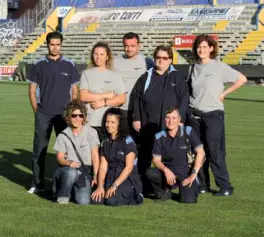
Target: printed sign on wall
(186,41)
(63,11)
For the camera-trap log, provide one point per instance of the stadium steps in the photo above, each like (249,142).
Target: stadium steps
(30,49)
(92,27)
(221,25)
(252,40)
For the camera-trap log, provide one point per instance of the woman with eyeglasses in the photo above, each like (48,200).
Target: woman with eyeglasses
(78,157)
(206,115)
(160,88)
(100,86)
(118,180)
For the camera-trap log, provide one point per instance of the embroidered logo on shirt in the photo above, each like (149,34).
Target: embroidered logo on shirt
(81,146)
(64,74)
(120,153)
(173,84)
(107,81)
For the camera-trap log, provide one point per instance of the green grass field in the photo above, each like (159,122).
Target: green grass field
(22,214)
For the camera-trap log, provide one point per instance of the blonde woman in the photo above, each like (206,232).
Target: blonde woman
(100,86)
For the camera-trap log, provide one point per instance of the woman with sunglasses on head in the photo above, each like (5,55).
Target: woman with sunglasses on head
(206,115)
(160,88)
(77,155)
(118,180)
(100,86)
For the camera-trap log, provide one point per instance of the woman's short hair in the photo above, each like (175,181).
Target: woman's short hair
(211,42)
(104,45)
(163,48)
(122,127)
(73,105)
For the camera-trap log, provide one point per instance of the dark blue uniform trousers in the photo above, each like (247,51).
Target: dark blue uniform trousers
(211,129)
(43,128)
(159,184)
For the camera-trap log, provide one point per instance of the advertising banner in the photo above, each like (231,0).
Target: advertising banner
(176,14)
(63,11)
(157,15)
(129,15)
(236,1)
(7,70)
(186,41)
(214,13)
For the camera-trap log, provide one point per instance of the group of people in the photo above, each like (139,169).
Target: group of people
(127,113)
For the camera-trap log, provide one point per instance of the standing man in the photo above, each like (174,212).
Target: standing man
(54,78)
(131,66)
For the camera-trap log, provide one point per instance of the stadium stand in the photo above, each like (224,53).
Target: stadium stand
(240,40)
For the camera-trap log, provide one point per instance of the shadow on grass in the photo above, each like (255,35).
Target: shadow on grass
(21,157)
(247,100)
(174,197)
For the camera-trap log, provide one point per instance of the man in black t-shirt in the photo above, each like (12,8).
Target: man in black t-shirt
(170,160)
(53,83)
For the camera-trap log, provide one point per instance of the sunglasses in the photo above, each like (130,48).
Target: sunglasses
(163,58)
(77,115)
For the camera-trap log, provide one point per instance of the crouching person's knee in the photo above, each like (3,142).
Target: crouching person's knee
(83,195)
(188,194)
(190,200)
(111,201)
(83,201)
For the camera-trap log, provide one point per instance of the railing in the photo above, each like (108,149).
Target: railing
(3,9)
(32,18)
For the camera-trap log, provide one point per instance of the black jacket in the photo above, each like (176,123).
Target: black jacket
(175,95)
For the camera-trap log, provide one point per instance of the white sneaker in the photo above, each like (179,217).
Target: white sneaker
(33,190)
(63,200)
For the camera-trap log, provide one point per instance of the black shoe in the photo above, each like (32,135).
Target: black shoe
(165,196)
(224,193)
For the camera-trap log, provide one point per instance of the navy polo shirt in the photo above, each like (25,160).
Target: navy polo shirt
(54,79)
(115,151)
(173,150)
(153,97)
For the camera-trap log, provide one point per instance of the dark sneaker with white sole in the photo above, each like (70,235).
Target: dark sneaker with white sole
(203,190)
(224,193)
(33,190)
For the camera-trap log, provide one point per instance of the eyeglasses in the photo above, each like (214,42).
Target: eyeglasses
(77,115)
(163,58)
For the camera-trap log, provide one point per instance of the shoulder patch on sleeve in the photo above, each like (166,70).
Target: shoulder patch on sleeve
(68,60)
(41,60)
(188,130)
(160,134)
(129,140)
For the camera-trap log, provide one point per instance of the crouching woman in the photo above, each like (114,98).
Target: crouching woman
(118,180)
(78,157)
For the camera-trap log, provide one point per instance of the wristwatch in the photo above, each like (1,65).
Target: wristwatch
(194,171)
(114,185)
